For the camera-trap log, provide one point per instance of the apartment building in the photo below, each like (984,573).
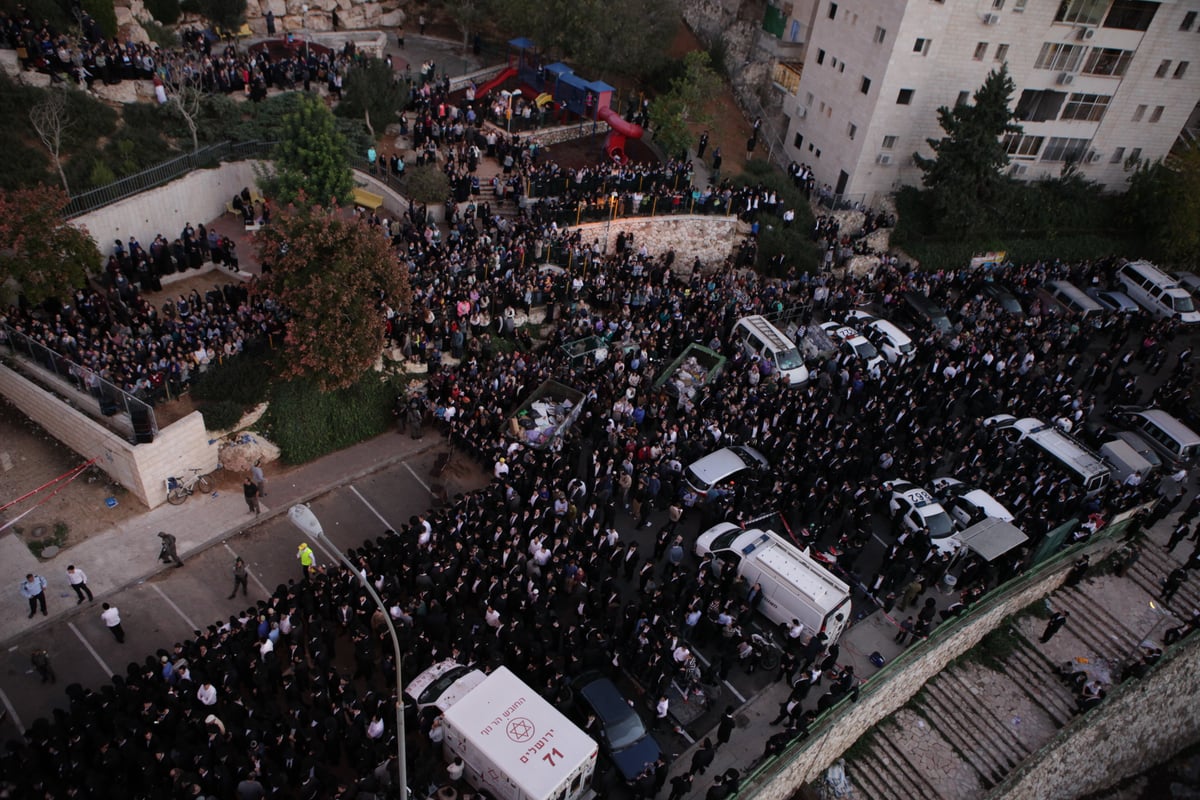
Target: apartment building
(1098,82)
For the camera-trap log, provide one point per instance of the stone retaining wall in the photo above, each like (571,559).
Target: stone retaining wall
(1140,723)
(142,469)
(710,238)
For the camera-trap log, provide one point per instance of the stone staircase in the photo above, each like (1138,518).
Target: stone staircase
(1153,567)
(973,724)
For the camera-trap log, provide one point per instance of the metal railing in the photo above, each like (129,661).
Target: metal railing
(165,172)
(110,399)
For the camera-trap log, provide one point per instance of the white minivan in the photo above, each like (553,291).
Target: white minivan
(1157,292)
(756,336)
(794,585)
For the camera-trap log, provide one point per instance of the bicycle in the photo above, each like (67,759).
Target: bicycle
(180,489)
(767,649)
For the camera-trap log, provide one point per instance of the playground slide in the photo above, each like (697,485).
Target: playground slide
(620,130)
(505,74)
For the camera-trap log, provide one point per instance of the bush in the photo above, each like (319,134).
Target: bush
(221,415)
(793,242)
(307,424)
(161,35)
(105,15)
(164,11)
(242,380)
(426,184)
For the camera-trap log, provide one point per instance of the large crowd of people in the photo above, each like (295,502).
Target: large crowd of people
(532,572)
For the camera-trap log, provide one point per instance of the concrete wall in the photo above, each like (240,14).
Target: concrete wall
(142,469)
(1140,723)
(905,676)
(709,238)
(197,197)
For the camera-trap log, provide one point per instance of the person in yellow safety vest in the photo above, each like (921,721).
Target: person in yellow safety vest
(307,559)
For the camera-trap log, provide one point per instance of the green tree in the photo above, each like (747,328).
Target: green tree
(226,15)
(311,158)
(965,177)
(329,270)
(1163,202)
(468,15)
(39,250)
(683,105)
(371,92)
(597,35)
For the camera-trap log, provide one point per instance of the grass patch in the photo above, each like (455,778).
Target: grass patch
(57,538)
(307,424)
(994,649)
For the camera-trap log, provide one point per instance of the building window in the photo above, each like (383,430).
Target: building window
(865,86)
(880,34)
(905,97)
(1164,67)
(820,56)
(1061,148)
(980,50)
(1019,6)
(1086,107)
(1107,61)
(808,99)
(889,142)
(1189,19)
(1135,155)
(963,98)
(922,46)
(852,131)
(1060,57)
(1138,113)
(1001,52)
(842,67)
(1081,12)
(1156,114)
(998,5)
(833,10)
(1118,156)
(810,147)
(817,153)
(833,62)
(1131,15)
(1180,70)
(798,142)
(1023,145)
(1039,105)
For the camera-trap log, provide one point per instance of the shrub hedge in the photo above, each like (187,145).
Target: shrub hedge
(307,424)
(221,415)
(793,242)
(243,380)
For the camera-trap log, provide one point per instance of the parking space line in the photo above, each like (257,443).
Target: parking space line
(680,730)
(178,610)
(249,572)
(12,712)
(736,693)
(107,669)
(418,477)
(372,508)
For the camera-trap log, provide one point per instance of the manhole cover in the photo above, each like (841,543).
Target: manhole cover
(50,552)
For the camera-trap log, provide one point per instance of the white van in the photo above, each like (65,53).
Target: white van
(1087,468)
(720,468)
(1072,298)
(758,337)
(1175,442)
(1157,292)
(794,585)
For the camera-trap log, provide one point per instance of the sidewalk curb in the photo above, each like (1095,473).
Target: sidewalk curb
(72,612)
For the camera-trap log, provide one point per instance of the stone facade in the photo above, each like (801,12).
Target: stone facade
(143,469)
(709,238)
(352,15)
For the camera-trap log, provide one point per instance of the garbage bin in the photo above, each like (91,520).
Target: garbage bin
(949,582)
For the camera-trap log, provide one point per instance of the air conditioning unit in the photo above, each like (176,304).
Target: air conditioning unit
(1086,34)
(801,112)
(1018,170)
(1093,157)
(1065,79)
(991,19)
(884,159)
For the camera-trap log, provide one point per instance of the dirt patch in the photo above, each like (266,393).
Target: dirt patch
(29,458)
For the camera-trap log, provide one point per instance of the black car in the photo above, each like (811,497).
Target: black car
(924,313)
(623,735)
(1003,298)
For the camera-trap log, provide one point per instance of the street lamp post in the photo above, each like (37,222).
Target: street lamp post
(303,518)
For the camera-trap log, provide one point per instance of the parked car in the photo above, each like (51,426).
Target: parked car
(442,685)
(918,510)
(1189,281)
(721,468)
(853,343)
(894,344)
(1002,297)
(1116,302)
(924,313)
(968,505)
(1141,447)
(622,734)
